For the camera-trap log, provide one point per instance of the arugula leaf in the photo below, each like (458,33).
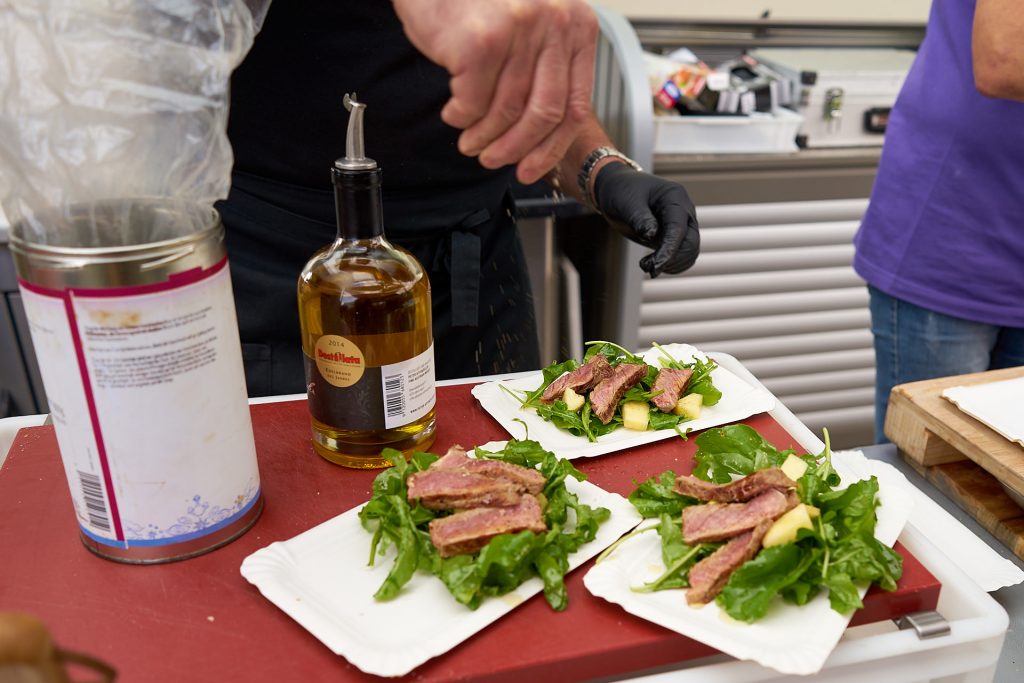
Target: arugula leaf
(752,586)
(851,509)
(864,557)
(700,382)
(677,556)
(660,420)
(656,497)
(563,418)
(734,449)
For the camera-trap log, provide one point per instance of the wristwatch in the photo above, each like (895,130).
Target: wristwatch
(588,167)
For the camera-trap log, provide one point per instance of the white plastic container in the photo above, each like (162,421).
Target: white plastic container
(758,132)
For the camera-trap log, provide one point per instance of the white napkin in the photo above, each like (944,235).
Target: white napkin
(999,405)
(990,570)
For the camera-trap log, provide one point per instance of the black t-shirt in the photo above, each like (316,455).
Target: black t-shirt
(287,119)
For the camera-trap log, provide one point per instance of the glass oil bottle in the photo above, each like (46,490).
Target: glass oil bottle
(364,312)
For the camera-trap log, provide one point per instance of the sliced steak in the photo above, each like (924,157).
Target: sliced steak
(525,479)
(468,531)
(454,459)
(671,383)
(444,489)
(719,521)
(738,491)
(579,380)
(608,391)
(709,576)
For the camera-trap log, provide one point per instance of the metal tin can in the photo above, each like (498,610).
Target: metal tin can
(137,342)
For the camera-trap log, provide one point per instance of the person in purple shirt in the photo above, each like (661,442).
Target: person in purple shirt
(941,245)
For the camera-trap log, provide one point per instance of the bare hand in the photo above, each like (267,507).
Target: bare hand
(522,74)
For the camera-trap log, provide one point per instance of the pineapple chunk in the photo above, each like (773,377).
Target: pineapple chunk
(573,401)
(689,406)
(794,467)
(813,511)
(635,415)
(785,527)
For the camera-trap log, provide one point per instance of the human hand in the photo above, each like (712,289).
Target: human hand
(522,74)
(651,211)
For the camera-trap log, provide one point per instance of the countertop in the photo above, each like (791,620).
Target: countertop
(1010,666)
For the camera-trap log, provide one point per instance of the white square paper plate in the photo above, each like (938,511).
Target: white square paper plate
(320,578)
(998,405)
(739,400)
(790,639)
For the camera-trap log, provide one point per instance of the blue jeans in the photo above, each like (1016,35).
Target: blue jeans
(914,343)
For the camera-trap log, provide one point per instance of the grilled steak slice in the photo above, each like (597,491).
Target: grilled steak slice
(709,576)
(735,492)
(468,531)
(718,521)
(454,459)
(608,391)
(671,383)
(525,479)
(579,380)
(444,489)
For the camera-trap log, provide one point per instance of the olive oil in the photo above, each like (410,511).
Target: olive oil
(365,316)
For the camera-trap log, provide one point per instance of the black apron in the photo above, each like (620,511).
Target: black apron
(287,126)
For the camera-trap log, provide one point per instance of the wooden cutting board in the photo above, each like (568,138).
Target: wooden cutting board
(967,460)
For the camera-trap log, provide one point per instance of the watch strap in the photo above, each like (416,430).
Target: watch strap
(588,168)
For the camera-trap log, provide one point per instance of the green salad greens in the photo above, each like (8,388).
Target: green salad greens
(507,560)
(582,421)
(839,554)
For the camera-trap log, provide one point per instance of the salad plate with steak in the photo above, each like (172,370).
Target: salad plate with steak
(762,554)
(613,399)
(445,546)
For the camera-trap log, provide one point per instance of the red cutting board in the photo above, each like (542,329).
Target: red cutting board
(199,620)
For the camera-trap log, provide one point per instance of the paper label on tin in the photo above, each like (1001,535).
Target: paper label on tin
(147,392)
(409,389)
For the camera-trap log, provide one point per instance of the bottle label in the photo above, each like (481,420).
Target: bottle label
(408,389)
(339,361)
(345,393)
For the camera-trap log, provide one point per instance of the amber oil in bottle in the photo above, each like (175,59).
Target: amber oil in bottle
(365,316)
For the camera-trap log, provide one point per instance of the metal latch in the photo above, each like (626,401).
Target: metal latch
(927,624)
(833,108)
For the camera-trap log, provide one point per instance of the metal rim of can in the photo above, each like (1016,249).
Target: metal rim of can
(22,244)
(60,266)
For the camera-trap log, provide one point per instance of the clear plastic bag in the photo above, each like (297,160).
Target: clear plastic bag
(110,100)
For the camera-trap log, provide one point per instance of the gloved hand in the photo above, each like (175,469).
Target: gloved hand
(651,211)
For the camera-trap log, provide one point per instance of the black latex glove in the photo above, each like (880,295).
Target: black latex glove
(651,211)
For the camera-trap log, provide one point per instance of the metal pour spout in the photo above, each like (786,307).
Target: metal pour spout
(355,152)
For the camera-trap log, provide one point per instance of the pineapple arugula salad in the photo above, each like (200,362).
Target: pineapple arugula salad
(752,524)
(613,388)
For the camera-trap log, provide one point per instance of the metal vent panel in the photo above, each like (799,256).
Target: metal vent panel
(774,287)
